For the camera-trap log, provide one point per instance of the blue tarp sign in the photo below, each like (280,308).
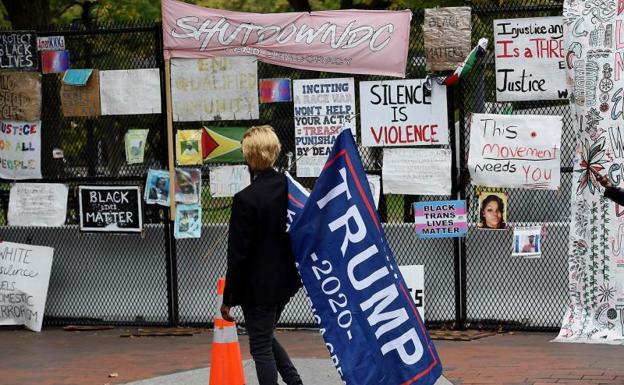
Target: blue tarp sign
(370,325)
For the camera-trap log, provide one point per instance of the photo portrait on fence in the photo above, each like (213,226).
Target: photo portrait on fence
(187,185)
(527,242)
(157,187)
(492,209)
(188,221)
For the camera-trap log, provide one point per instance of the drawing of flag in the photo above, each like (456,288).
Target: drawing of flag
(275,90)
(222,144)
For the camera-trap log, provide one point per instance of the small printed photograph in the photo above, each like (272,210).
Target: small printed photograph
(188,144)
(527,242)
(187,185)
(492,209)
(135,145)
(157,187)
(188,221)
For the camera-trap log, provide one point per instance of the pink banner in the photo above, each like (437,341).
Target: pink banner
(350,41)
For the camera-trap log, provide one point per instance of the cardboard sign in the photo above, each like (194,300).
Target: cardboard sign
(520,151)
(225,181)
(403,113)
(530,59)
(24,278)
(322,108)
(51,43)
(37,204)
(130,92)
(110,209)
(440,219)
(416,171)
(18,50)
(82,100)
(20,150)
(447,37)
(414,276)
(20,95)
(221,88)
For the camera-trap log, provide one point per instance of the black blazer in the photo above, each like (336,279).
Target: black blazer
(261,267)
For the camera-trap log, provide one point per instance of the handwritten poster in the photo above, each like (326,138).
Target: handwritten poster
(24,278)
(130,92)
(447,37)
(20,150)
(322,107)
(37,204)
(53,62)
(530,62)
(189,147)
(135,141)
(20,95)
(220,88)
(225,181)
(440,219)
(402,113)
(82,100)
(188,222)
(414,276)
(110,209)
(51,43)
(521,151)
(416,171)
(18,50)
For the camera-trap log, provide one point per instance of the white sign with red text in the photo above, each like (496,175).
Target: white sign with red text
(403,113)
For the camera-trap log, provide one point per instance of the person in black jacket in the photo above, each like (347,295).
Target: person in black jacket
(616,194)
(261,273)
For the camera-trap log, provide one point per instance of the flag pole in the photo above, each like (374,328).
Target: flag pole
(170,142)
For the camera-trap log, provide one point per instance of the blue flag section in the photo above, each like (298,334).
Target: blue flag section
(370,325)
(297,196)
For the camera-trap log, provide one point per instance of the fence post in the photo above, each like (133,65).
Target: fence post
(170,244)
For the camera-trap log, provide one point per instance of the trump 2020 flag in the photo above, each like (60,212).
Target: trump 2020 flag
(297,196)
(371,327)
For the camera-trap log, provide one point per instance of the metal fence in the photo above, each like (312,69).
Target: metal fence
(152,279)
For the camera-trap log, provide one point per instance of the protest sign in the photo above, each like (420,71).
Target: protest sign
(492,208)
(447,37)
(135,141)
(322,108)
(188,221)
(374,183)
(54,61)
(414,276)
(157,187)
(403,113)
(358,295)
(189,147)
(527,242)
(188,185)
(346,41)
(20,95)
(223,144)
(37,204)
(77,77)
(82,100)
(530,61)
(416,171)
(18,50)
(225,181)
(51,43)
(222,88)
(275,90)
(24,278)
(110,209)
(440,219)
(130,92)
(20,150)
(521,151)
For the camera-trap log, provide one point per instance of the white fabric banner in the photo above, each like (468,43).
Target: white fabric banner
(530,62)
(521,151)
(24,277)
(401,113)
(130,92)
(37,204)
(416,171)
(20,150)
(223,88)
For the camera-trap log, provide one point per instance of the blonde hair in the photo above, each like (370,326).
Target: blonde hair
(261,147)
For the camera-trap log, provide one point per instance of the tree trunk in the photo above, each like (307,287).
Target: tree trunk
(28,14)
(300,5)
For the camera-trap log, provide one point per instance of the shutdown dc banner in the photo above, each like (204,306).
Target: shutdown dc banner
(370,325)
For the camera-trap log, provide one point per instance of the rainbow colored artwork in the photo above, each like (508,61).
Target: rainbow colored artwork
(275,90)
(54,61)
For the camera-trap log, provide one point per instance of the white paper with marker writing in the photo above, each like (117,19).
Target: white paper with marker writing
(416,171)
(37,204)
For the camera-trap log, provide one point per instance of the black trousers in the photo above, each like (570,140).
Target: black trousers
(268,355)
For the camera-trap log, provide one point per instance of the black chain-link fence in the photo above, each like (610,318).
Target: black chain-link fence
(153,279)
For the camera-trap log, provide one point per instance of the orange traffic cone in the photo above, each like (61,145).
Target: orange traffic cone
(226,366)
